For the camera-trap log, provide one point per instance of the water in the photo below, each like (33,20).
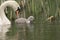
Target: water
(34,31)
(20,31)
(3,30)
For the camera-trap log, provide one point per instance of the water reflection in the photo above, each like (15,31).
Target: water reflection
(3,30)
(34,31)
(24,30)
(30,27)
(20,32)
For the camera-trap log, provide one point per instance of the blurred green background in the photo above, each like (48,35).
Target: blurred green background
(41,10)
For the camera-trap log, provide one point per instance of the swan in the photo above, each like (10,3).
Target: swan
(24,20)
(3,19)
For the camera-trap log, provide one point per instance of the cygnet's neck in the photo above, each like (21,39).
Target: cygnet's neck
(31,18)
(27,21)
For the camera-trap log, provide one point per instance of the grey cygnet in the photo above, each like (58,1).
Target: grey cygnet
(24,20)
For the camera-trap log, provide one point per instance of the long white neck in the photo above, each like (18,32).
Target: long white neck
(12,4)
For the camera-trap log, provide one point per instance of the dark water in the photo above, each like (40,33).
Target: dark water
(34,31)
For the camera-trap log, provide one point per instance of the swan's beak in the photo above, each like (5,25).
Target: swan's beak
(18,11)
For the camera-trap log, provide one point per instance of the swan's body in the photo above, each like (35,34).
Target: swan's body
(24,20)
(3,19)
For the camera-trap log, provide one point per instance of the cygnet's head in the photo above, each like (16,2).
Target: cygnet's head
(31,18)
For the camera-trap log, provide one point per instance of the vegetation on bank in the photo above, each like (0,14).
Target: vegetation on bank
(40,9)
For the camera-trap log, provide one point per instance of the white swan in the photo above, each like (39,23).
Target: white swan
(3,19)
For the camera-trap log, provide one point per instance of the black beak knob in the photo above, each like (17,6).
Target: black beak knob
(18,9)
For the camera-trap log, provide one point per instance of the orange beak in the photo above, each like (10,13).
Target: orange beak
(17,13)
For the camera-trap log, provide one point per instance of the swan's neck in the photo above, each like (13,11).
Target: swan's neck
(12,4)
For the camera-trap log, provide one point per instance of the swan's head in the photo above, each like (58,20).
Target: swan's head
(18,11)
(31,18)
(13,4)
